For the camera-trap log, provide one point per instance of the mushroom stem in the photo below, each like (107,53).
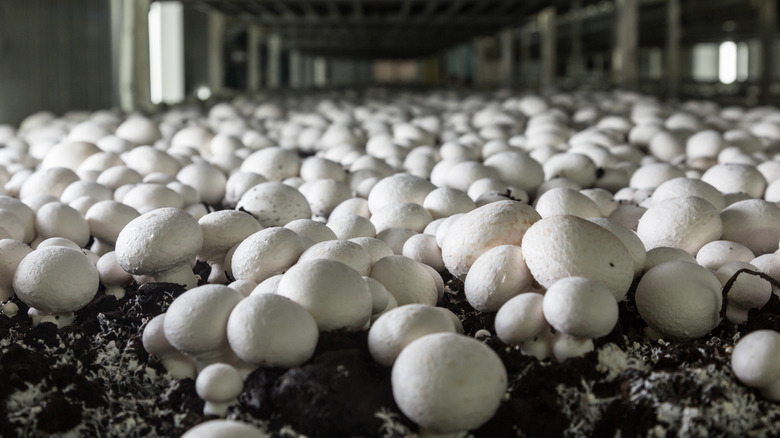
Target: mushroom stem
(771,391)
(59,319)
(725,308)
(181,274)
(567,346)
(217,275)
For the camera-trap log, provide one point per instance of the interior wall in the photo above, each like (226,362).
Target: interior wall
(196,62)
(54,55)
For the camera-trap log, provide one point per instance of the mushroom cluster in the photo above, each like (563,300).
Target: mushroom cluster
(358,216)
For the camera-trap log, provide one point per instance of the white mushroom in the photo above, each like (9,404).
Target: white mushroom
(632,243)
(56,281)
(106,219)
(580,308)
(11,254)
(178,365)
(335,294)
(56,219)
(499,274)
(679,299)
(315,231)
(406,279)
(497,223)
(275,204)
(223,230)
(719,252)
(162,244)
(112,276)
(754,362)
(271,330)
(264,254)
(448,383)
(196,323)
(754,223)
(344,251)
(569,246)
(563,200)
(520,321)
(746,292)
(684,222)
(219,385)
(397,328)
(224,429)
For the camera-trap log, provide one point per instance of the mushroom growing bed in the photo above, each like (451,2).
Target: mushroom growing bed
(481,264)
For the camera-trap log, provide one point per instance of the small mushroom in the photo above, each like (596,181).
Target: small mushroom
(264,254)
(178,365)
(271,330)
(679,299)
(397,328)
(196,322)
(224,429)
(106,219)
(56,281)
(112,276)
(223,230)
(579,308)
(717,253)
(344,251)
(520,321)
(335,294)
(406,279)
(448,383)
(499,274)
(161,243)
(275,204)
(219,385)
(11,254)
(754,362)
(747,291)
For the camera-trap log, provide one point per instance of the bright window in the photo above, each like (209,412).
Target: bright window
(166,52)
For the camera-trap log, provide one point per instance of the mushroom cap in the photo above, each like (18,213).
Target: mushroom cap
(663,254)
(24,213)
(401,215)
(224,229)
(208,180)
(315,231)
(423,248)
(265,253)
(446,201)
(224,429)
(736,177)
(499,274)
(569,246)
(683,186)
(632,242)
(56,219)
(272,330)
(754,223)
(11,254)
(717,253)
(344,251)
(107,218)
(377,249)
(754,358)
(446,382)
(158,241)
(406,280)
(51,181)
(494,224)
(401,187)
(563,200)
(679,299)
(683,222)
(521,319)
(335,294)
(275,204)
(580,307)
(219,382)
(350,226)
(56,279)
(196,321)
(398,327)
(748,291)
(274,163)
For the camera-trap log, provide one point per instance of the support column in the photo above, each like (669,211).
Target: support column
(296,69)
(525,59)
(577,59)
(625,65)
(478,45)
(216,51)
(673,32)
(768,22)
(133,59)
(274,61)
(548,35)
(320,72)
(507,41)
(253,62)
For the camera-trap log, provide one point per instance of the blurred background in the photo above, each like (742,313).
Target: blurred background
(136,55)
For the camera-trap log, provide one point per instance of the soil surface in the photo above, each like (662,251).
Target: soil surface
(94,378)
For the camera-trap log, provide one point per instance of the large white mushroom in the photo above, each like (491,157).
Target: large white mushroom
(754,362)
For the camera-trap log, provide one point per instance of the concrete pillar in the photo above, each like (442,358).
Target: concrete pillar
(673,33)
(274,61)
(507,41)
(320,72)
(296,69)
(548,35)
(768,22)
(526,74)
(625,57)
(216,52)
(480,66)
(253,64)
(133,59)
(577,59)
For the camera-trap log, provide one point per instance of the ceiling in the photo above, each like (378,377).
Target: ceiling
(378,28)
(418,28)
